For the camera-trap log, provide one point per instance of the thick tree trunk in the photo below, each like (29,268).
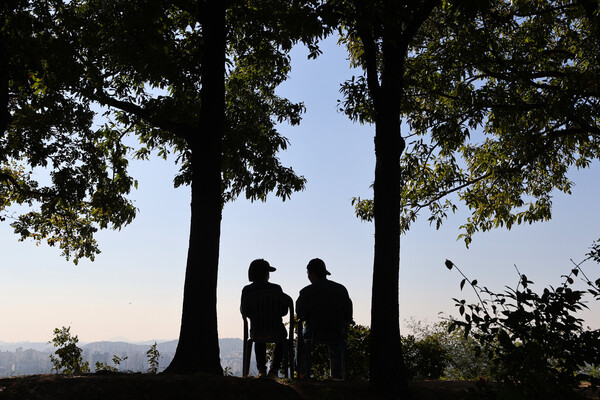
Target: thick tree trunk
(387,367)
(4,114)
(198,347)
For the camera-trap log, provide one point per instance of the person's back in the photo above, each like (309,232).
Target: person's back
(326,309)
(264,303)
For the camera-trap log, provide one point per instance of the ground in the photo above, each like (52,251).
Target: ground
(151,387)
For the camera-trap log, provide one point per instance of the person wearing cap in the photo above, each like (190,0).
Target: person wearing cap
(259,273)
(318,301)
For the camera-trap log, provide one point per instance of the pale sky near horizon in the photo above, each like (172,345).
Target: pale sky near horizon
(134,288)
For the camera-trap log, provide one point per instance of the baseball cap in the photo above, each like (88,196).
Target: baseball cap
(317,266)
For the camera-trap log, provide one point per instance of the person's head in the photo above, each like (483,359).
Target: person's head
(259,270)
(316,270)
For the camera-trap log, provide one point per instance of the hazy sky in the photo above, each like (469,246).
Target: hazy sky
(134,288)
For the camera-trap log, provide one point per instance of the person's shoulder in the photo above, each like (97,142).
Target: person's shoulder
(247,288)
(274,286)
(306,289)
(338,286)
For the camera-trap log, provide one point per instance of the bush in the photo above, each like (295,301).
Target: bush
(358,355)
(538,348)
(425,358)
(68,358)
(461,359)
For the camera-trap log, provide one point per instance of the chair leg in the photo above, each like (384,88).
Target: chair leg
(247,352)
(308,357)
(285,361)
(290,355)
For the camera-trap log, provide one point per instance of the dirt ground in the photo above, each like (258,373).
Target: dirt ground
(154,387)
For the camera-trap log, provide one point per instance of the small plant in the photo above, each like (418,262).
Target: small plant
(67,357)
(100,366)
(537,346)
(153,355)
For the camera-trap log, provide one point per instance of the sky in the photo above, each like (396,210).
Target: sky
(133,290)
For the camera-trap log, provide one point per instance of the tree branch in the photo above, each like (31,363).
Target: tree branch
(23,190)
(181,130)
(370,48)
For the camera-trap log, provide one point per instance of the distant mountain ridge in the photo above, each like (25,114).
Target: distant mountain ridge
(226,344)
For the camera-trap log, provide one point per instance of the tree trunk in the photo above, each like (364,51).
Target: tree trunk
(4,114)
(198,347)
(387,368)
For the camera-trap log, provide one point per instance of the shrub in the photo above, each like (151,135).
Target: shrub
(537,346)
(100,366)
(425,358)
(461,359)
(68,358)
(358,355)
(153,355)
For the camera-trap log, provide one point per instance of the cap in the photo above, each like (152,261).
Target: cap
(317,266)
(258,268)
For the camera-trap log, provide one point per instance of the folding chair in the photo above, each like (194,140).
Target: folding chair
(327,328)
(266,327)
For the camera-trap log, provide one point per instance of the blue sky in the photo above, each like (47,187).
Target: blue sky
(134,288)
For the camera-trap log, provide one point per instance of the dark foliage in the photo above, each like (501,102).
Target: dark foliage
(538,347)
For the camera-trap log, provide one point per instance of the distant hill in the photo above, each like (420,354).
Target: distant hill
(37,346)
(24,358)
(226,344)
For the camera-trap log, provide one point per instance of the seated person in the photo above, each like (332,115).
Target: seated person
(258,273)
(326,308)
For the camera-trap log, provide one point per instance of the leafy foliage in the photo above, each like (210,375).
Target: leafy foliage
(66,58)
(72,178)
(67,357)
(538,347)
(453,356)
(153,356)
(358,353)
(104,367)
(424,359)
(500,107)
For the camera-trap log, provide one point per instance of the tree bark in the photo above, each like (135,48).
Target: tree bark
(387,372)
(198,347)
(4,114)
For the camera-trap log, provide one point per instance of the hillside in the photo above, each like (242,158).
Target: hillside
(154,387)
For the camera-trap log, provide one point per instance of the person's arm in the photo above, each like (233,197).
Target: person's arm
(300,306)
(244,304)
(349,309)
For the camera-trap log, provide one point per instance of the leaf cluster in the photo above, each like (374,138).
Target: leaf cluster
(68,358)
(501,102)
(139,63)
(72,177)
(537,345)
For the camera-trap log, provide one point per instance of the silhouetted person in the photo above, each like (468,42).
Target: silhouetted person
(258,273)
(323,303)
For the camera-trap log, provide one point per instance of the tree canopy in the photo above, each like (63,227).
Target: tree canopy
(141,61)
(502,105)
